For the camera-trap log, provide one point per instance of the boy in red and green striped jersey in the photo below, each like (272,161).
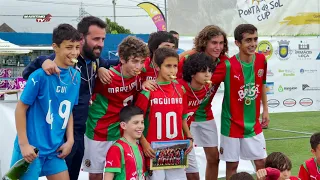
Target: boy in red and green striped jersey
(197,72)
(244,77)
(102,127)
(125,159)
(156,40)
(310,169)
(212,41)
(165,112)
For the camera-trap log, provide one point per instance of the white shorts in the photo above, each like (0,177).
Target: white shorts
(205,133)
(95,155)
(192,162)
(252,148)
(168,174)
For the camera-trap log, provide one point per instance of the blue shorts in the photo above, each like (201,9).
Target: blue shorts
(41,166)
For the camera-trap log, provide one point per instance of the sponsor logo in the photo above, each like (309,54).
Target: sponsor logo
(269,86)
(265,48)
(302,71)
(287,72)
(270,73)
(281,89)
(283,52)
(250,91)
(260,72)
(303,51)
(306,102)
(318,57)
(306,87)
(289,102)
(272,103)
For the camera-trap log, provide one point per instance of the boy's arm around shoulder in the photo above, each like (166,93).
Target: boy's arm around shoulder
(36,64)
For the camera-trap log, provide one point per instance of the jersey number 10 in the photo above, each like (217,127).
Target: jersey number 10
(63,114)
(168,117)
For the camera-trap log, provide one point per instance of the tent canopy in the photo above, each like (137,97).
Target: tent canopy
(7,48)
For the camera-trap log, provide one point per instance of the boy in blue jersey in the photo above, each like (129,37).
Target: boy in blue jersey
(44,112)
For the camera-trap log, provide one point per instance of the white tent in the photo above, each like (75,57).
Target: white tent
(7,48)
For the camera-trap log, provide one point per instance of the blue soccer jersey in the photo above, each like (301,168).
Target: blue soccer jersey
(50,101)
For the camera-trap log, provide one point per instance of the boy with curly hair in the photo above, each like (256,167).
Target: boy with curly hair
(108,99)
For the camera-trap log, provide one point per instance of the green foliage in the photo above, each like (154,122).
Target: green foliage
(115,28)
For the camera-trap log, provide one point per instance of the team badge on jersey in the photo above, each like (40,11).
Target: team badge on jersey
(87,162)
(260,72)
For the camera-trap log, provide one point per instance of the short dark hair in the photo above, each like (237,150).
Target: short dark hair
(243,28)
(156,38)
(86,22)
(132,46)
(173,32)
(241,176)
(315,140)
(279,161)
(206,34)
(162,53)
(65,32)
(127,112)
(195,63)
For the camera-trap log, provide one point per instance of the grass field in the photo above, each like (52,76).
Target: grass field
(294,144)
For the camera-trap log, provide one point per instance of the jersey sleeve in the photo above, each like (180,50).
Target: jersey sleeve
(303,173)
(78,87)
(265,71)
(98,87)
(143,100)
(185,106)
(31,90)
(219,74)
(180,67)
(113,160)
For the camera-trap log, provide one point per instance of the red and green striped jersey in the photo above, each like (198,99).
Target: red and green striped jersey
(184,56)
(309,170)
(148,72)
(198,110)
(107,101)
(243,84)
(164,111)
(125,160)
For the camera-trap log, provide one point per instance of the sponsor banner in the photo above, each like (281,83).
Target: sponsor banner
(271,17)
(293,71)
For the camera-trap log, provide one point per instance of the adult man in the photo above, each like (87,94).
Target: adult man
(244,77)
(92,30)
(176,36)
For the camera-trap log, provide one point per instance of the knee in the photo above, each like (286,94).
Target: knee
(95,176)
(259,163)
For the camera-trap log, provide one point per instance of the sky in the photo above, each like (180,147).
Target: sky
(12,11)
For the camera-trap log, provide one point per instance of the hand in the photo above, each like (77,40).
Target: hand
(148,151)
(149,85)
(261,174)
(65,150)
(190,147)
(28,153)
(265,119)
(50,67)
(105,75)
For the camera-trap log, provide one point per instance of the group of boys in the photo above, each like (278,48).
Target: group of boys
(153,94)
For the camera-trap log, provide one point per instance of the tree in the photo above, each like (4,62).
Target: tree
(115,28)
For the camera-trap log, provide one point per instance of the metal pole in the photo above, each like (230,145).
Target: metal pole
(165,13)
(114,10)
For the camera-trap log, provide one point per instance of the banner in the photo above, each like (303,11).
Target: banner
(156,15)
(293,74)
(271,17)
